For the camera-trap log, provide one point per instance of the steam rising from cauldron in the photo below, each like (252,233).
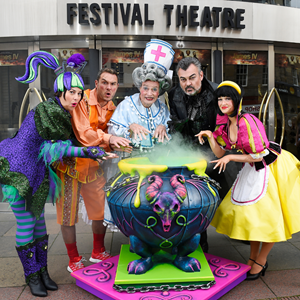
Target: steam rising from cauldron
(178,151)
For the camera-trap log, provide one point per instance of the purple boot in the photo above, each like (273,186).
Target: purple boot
(41,257)
(27,255)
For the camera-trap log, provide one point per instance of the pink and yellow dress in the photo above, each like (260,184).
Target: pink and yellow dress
(264,201)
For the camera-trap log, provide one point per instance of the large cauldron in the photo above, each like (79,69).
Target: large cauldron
(163,206)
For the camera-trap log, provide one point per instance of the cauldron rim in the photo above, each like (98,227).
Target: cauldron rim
(149,163)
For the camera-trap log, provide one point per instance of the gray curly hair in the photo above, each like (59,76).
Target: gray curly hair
(150,71)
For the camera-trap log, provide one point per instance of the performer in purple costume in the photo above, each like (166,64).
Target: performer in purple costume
(26,176)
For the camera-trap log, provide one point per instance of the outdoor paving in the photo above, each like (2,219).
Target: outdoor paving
(282,279)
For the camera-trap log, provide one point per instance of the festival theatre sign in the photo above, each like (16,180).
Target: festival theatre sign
(190,16)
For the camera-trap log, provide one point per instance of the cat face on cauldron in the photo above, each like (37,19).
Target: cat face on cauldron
(166,205)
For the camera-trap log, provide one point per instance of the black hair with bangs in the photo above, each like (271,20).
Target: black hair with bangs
(227,91)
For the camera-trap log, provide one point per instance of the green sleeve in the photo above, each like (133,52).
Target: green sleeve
(52,122)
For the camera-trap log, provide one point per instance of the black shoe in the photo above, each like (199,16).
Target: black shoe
(47,281)
(37,287)
(251,259)
(257,275)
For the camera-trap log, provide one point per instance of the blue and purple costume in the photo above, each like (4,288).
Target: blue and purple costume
(26,174)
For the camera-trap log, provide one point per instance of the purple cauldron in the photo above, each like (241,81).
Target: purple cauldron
(161,207)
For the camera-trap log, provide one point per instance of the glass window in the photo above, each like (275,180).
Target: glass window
(265,75)
(126,60)
(242,75)
(293,3)
(120,70)
(287,68)
(48,76)
(12,92)
(204,56)
(250,70)
(295,76)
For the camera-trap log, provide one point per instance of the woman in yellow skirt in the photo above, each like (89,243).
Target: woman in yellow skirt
(263,205)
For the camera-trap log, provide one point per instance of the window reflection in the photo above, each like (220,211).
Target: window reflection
(250,70)
(124,61)
(287,68)
(292,3)
(12,92)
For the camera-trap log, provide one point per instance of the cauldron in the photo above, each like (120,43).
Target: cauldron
(163,205)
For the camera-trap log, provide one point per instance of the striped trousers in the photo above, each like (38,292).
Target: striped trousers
(28,227)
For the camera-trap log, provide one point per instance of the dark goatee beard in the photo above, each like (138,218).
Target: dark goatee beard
(195,91)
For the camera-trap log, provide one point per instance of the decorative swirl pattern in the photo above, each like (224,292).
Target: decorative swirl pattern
(104,276)
(184,223)
(148,222)
(219,267)
(175,297)
(166,244)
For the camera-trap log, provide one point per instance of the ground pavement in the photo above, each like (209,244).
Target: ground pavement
(282,279)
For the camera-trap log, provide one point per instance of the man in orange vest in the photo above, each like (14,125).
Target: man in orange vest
(84,176)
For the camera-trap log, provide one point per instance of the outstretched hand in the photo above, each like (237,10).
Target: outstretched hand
(204,133)
(139,131)
(94,152)
(108,156)
(118,143)
(160,133)
(127,149)
(221,163)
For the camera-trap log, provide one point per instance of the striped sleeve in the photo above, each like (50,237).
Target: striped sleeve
(253,135)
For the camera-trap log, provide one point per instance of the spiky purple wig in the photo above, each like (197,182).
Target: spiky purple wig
(64,79)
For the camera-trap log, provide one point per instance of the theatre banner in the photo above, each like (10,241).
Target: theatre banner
(13,58)
(287,60)
(202,55)
(65,53)
(122,56)
(257,58)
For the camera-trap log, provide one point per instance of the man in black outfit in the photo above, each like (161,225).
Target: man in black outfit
(191,104)
(192,110)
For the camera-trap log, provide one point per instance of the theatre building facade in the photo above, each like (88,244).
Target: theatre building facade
(254,43)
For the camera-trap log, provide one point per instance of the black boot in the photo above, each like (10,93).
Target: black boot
(37,287)
(27,255)
(41,257)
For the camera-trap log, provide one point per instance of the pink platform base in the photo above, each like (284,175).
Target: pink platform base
(98,280)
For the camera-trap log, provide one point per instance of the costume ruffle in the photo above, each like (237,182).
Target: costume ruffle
(49,153)
(130,111)
(251,138)
(275,217)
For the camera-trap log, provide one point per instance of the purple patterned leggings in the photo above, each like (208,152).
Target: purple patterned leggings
(28,227)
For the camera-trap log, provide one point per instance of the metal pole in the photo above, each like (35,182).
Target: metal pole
(93,63)
(271,84)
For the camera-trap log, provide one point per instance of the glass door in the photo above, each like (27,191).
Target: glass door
(124,61)
(287,72)
(249,69)
(12,92)
(127,59)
